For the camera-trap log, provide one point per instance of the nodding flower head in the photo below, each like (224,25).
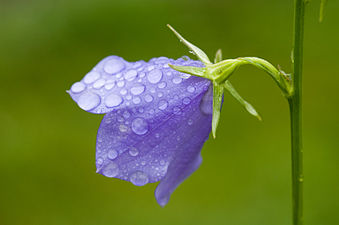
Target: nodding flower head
(156,120)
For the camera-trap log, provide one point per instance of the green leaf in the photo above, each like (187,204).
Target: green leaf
(195,71)
(195,50)
(229,87)
(218,91)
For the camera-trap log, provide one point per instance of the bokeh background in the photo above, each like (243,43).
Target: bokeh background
(47,144)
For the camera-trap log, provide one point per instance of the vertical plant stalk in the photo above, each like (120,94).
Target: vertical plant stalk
(295,103)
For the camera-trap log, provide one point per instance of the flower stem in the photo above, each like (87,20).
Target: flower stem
(295,104)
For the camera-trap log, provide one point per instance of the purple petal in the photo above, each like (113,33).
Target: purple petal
(115,83)
(145,146)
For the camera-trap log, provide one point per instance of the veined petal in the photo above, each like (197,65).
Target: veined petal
(116,84)
(159,141)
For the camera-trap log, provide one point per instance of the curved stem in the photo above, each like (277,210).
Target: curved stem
(296,114)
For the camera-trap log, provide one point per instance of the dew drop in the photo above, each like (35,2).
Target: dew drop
(177,80)
(162,162)
(113,66)
(160,94)
(121,83)
(133,151)
(131,75)
(113,100)
(78,87)
(123,128)
(150,68)
(99,161)
(163,105)
(154,76)
(148,98)
(112,154)
(126,114)
(190,122)
(123,91)
(190,89)
(99,83)
(186,101)
(129,97)
(136,100)
(91,77)
(88,101)
(137,90)
(111,170)
(139,126)
(162,84)
(109,86)
(139,178)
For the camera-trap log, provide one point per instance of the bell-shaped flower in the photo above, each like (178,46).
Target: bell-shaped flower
(156,120)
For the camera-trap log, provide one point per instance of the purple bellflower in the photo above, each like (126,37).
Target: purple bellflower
(157,116)
(156,120)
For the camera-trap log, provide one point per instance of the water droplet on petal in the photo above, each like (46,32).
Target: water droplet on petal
(129,97)
(162,84)
(121,83)
(163,104)
(136,100)
(137,90)
(139,178)
(113,100)
(78,87)
(162,162)
(133,151)
(177,80)
(123,91)
(91,77)
(113,66)
(148,98)
(123,128)
(88,101)
(190,122)
(154,76)
(186,101)
(190,89)
(99,161)
(139,126)
(99,83)
(109,86)
(126,114)
(111,170)
(131,75)
(112,154)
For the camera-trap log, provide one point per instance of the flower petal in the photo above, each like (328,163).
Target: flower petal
(160,140)
(115,83)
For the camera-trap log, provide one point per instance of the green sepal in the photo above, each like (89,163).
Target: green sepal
(195,50)
(218,91)
(196,71)
(229,87)
(218,56)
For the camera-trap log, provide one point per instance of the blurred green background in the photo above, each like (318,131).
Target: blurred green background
(47,144)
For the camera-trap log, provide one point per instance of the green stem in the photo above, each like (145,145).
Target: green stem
(296,114)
